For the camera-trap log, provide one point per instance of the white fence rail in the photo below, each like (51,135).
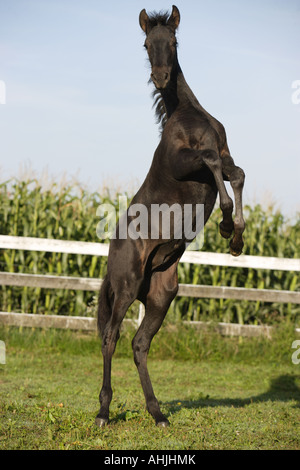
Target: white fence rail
(187,290)
(195,257)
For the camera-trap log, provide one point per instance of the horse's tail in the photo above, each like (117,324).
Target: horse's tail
(104,305)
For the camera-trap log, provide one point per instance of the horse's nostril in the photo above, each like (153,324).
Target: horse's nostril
(160,77)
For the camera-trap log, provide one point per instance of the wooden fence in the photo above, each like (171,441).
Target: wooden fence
(186,290)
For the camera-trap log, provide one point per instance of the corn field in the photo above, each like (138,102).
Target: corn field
(69,213)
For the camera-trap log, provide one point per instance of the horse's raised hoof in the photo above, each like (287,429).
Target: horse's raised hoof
(225,232)
(101,422)
(163,424)
(235,253)
(236,250)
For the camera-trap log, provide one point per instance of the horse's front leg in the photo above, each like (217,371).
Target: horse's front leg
(236,178)
(189,161)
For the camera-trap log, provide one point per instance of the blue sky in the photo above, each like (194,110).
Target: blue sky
(78,102)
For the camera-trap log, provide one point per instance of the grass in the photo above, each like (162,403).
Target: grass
(218,393)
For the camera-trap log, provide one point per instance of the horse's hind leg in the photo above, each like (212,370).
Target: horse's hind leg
(163,288)
(109,327)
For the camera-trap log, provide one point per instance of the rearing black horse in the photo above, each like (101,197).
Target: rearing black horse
(189,166)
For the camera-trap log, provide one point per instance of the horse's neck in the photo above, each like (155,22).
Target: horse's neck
(179,93)
(185,94)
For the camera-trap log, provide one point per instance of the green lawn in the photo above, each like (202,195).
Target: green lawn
(247,398)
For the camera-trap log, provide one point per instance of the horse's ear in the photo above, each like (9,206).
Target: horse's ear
(143,20)
(174,19)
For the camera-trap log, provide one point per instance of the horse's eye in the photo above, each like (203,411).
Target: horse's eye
(145,46)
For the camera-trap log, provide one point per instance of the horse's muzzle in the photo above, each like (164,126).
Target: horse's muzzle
(160,79)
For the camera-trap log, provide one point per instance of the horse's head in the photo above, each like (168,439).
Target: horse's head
(160,44)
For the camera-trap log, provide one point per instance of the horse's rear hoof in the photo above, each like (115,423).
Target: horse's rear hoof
(163,424)
(101,422)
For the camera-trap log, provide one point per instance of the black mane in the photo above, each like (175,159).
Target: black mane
(158,18)
(160,108)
